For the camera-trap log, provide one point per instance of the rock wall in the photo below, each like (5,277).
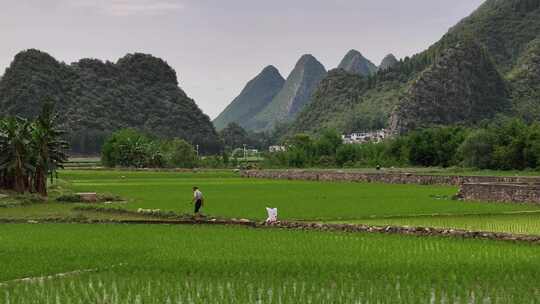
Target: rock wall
(385,178)
(416,231)
(305,226)
(501,192)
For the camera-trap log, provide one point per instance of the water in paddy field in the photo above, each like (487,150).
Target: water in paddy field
(145,288)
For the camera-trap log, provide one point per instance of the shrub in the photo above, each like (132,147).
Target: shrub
(131,148)
(179,154)
(477,150)
(128,148)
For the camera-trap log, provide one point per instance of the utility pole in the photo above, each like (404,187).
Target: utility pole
(245,156)
(197,150)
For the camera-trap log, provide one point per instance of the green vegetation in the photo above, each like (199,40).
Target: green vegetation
(130,148)
(486,64)
(234,137)
(96,98)
(204,264)
(304,151)
(230,196)
(504,28)
(501,144)
(427,148)
(462,86)
(161,264)
(233,197)
(521,223)
(525,80)
(336,106)
(30,152)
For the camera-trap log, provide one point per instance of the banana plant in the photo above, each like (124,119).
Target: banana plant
(16,153)
(48,147)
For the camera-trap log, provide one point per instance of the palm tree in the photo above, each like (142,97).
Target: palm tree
(49,148)
(15,153)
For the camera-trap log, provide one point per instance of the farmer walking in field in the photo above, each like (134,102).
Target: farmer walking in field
(198,200)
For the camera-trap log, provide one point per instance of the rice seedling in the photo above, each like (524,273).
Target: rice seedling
(521,223)
(171,264)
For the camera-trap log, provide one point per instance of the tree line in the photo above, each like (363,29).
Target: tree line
(502,144)
(31,151)
(136,149)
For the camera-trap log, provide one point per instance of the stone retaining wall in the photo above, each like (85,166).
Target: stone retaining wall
(419,231)
(386,178)
(351,228)
(501,192)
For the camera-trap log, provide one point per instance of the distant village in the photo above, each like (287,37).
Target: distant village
(376,136)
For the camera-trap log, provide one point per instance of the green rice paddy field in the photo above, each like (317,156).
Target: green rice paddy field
(229,195)
(125,263)
(179,264)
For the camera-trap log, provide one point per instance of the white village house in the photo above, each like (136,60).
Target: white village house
(365,137)
(273,149)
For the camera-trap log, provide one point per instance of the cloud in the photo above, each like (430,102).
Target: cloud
(130,7)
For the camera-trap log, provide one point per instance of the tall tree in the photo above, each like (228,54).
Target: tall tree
(49,148)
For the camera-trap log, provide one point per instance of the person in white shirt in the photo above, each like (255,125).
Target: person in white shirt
(198,200)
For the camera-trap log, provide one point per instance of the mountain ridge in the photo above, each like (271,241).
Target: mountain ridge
(294,95)
(355,63)
(95,98)
(253,98)
(388,62)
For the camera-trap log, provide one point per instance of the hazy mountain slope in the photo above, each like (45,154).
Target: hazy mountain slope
(355,63)
(96,98)
(294,95)
(388,61)
(255,96)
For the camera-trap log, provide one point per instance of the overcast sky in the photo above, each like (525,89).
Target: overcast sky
(216,46)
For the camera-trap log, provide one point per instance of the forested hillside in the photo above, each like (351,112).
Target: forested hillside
(96,98)
(505,33)
(461,87)
(525,82)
